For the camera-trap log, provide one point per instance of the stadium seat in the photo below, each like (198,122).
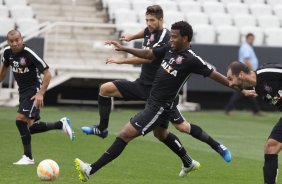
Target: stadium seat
(257,31)
(203,1)
(273,37)
(197,18)
(244,20)
(204,34)
(260,9)
(228,35)
(237,8)
(192,6)
(171,17)
(17,12)
(11,3)
(250,2)
(140,5)
(117,5)
(268,21)
(230,1)
(278,10)
(220,19)
(7,24)
(273,2)
(167,5)
(125,16)
(4,11)
(213,7)
(25,25)
(130,28)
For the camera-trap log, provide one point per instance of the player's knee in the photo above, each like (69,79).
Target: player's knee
(128,133)
(106,89)
(272,147)
(183,127)
(160,135)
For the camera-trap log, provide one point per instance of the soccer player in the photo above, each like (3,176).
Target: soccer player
(178,62)
(155,35)
(27,67)
(267,83)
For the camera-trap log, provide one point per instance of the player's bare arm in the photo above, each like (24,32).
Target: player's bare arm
(132,60)
(129,37)
(3,71)
(141,53)
(38,97)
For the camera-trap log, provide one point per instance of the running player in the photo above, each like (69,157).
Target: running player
(267,83)
(155,35)
(178,62)
(27,67)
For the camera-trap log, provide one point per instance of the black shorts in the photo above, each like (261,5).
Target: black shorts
(133,90)
(152,116)
(276,132)
(27,106)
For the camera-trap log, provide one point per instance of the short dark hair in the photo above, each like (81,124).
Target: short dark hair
(12,32)
(184,28)
(249,34)
(155,10)
(236,67)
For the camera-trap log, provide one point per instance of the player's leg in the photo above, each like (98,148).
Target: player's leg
(22,125)
(63,124)
(127,90)
(173,143)
(139,124)
(106,91)
(271,151)
(197,132)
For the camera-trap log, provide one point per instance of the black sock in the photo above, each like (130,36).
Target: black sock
(201,135)
(105,105)
(113,152)
(270,168)
(25,136)
(39,127)
(175,145)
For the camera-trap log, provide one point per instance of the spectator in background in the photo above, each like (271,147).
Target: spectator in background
(247,56)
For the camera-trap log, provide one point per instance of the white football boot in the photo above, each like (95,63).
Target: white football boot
(24,161)
(83,169)
(67,127)
(193,167)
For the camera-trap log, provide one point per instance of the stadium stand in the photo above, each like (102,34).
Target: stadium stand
(224,35)
(268,21)
(244,20)
(192,6)
(11,3)
(4,11)
(273,37)
(221,19)
(18,11)
(213,7)
(9,25)
(204,34)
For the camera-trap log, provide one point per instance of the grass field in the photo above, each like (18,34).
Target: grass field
(145,160)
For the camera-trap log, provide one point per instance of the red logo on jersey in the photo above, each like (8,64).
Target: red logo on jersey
(22,61)
(179,60)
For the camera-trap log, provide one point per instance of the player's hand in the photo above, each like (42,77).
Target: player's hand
(249,93)
(114,60)
(117,46)
(38,100)
(126,37)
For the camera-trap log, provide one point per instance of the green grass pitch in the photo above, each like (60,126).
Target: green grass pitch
(145,160)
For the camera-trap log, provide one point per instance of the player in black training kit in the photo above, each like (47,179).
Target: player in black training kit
(27,67)
(178,62)
(154,36)
(267,82)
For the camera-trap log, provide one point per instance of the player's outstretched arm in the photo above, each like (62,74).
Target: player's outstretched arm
(141,53)
(218,77)
(129,37)
(131,60)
